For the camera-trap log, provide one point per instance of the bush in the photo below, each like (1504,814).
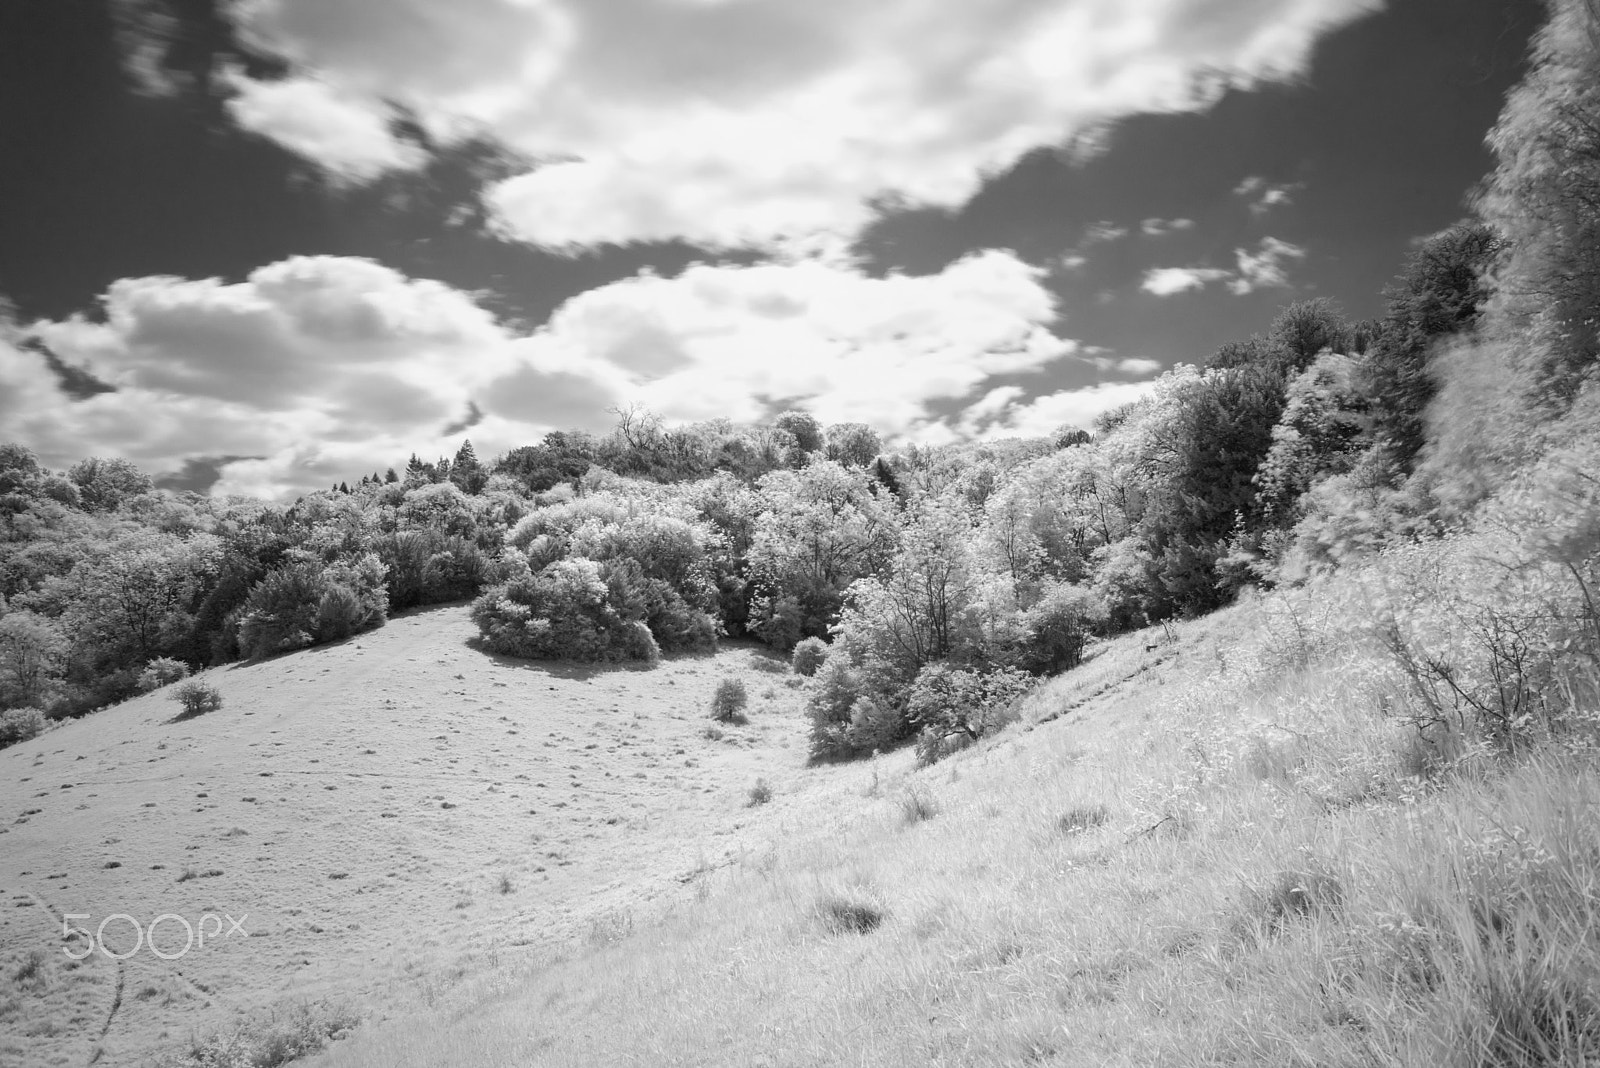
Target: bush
(729,701)
(19,725)
(809,656)
(760,793)
(568,611)
(954,708)
(281,611)
(197,698)
(1057,629)
(162,671)
(338,614)
(853,711)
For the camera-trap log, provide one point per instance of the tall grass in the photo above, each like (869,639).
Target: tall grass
(1253,844)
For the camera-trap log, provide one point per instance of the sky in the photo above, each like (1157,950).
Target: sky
(261,246)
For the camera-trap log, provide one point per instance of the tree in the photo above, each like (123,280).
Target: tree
(31,650)
(106,484)
(853,444)
(913,615)
(466,472)
(1440,292)
(805,428)
(1304,329)
(1544,197)
(1206,459)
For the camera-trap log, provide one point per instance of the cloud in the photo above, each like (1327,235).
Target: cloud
(350,140)
(1043,415)
(1163,227)
(144,31)
(738,341)
(1265,267)
(749,123)
(1263,196)
(1167,281)
(318,369)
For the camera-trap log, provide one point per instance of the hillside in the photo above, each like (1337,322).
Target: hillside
(1215,843)
(357,807)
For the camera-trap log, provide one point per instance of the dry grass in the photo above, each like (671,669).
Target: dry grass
(1216,851)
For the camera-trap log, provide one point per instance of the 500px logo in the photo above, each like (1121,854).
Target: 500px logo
(169,923)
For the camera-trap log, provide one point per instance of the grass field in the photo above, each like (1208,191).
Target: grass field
(1217,842)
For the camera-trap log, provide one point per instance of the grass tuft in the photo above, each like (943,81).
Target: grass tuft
(842,915)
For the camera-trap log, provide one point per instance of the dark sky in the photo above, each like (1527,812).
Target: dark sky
(152,139)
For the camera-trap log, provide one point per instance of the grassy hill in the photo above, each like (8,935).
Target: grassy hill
(1214,844)
(384,816)
(1217,842)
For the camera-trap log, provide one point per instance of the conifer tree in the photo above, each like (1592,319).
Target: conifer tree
(390,476)
(466,472)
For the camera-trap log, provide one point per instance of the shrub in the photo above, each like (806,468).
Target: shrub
(270,1040)
(809,657)
(19,725)
(162,671)
(197,698)
(853,710)
(338,614)
(281,611)
(842,915)
(729,701)
(1081,819)
(917,806)
(954,708)
(760,793)
(568,611)
(1057,629)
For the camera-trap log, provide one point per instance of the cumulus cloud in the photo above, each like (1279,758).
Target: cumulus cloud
(351,139)
(1162,227)
(1264,267)
(1262,195)
(316,369)
(1167,281)
(1013,416)
(750,123)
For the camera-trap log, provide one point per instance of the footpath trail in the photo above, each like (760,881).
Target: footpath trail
(372,822)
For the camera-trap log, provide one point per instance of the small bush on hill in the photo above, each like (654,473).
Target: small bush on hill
(19,725)
(197,698)
(851,712)
(1056,630)
(304,603)
(760,793)
(568,611)
(728,703)
(162,671)
(952,708)
(809,656)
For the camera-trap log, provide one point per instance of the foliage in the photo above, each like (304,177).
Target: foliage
(1440,292)
(162,671)
(808,657)
(1056,629)
(567,611)
(304,604)
(952,707)
(31,651)
(852,712)
(729,701)
(197,697)
(19,725)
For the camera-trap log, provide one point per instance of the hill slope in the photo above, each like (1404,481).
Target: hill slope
(381,816)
